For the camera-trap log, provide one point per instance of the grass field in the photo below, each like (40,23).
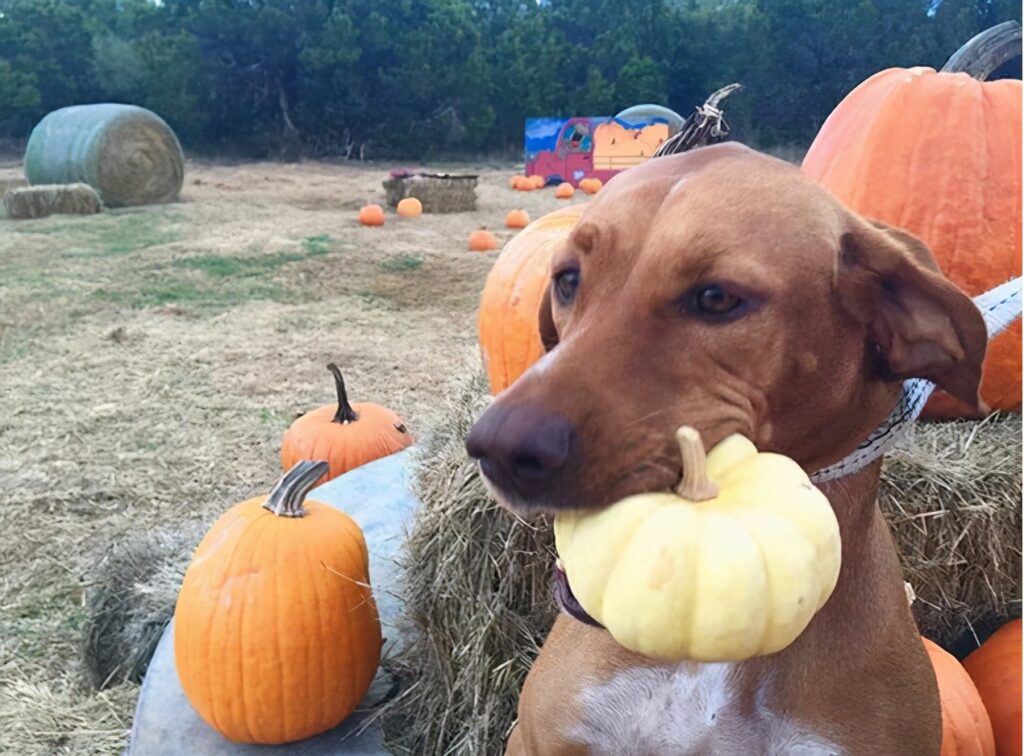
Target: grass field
(151,358)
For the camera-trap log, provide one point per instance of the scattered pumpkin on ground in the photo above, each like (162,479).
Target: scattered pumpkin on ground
(995,668)
(508,326)
(410,207)
(538,181)
(966,729)
(276,636)
(946,147)
(344,435)
(564,190)
(591,185)
(517,219)
(482,240)
(523,184)
(371,215)
(745,548)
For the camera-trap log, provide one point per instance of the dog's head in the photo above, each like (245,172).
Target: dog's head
(724,290)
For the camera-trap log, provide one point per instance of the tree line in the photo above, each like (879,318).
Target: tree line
(423,78)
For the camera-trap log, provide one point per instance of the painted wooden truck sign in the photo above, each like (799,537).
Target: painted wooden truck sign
(570,149)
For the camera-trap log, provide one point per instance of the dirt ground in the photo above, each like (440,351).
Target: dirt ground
(151,358)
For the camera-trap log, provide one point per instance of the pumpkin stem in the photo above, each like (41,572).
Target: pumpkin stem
(985,52)
(345,413)
(695,485)
(289,493)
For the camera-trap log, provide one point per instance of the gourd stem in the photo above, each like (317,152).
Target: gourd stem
(345,413)
(985,52)
(289,493)
(695,485)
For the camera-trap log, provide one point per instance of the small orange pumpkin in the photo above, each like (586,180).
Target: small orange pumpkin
(276,636)
(508,327)
(995,668)
(513,180)
(564,190)
(517,219)
(538,181)
(966,729)
(523,184)
(591,185)
(410,207)
(482,240)
(372,215)
(344,435)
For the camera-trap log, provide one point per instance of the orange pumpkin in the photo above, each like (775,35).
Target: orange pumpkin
(591,185)
(276,636)
(966,729)
(482,240)
(512,180)
(938,154)
(508,327)
(564,190)
(995,668)
(410,207)
(538,181)
(372,215)
(344,435)
(517,219)
(523,184)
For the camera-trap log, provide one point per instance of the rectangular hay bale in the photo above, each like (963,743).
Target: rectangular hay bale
(439,192)
(49,199)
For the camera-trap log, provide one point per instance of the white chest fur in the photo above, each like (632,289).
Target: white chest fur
(693,709)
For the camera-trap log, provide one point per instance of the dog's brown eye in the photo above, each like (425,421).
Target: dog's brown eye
(715,301)
(566,284)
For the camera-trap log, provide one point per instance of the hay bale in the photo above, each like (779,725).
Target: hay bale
(478,580)
(439,192)
(952,493)
(51,199)
(477,599)
(129,155)
(132,601)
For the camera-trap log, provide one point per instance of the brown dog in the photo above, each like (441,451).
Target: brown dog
(722,289)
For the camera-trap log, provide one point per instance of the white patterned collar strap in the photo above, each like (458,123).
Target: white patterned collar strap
(1000,307)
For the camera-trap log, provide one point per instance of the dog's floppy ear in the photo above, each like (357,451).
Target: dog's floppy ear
(546,322)
(923,325)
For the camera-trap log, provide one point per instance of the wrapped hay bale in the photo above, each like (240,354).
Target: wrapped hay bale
(51,199)
(132,601)
(129,155)
(439,192)
(478,597)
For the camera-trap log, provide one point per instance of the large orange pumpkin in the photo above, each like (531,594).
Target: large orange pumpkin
(509,331)
(276,636)
(938,154)
(995,668)
(344,435)
(966,729)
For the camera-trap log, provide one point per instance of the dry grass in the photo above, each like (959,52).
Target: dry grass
(151,358)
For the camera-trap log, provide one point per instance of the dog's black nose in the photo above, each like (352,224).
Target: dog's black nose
(522,450)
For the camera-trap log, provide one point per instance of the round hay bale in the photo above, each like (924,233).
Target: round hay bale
(129,155)
(132,601)
(478,596)
(51,199)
